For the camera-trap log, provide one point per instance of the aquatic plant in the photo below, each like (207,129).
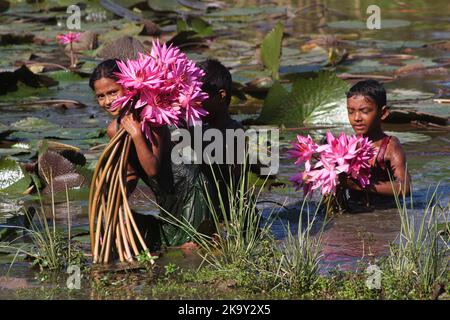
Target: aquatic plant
(48,247)
(237,234)
(419,259)
(69,38)
(166,84)
(301,253)
(345,157)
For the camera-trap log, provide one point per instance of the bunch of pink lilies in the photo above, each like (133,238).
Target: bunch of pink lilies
(164,86)
(324,165)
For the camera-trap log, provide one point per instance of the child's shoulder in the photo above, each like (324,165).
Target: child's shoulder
(112,128)
(394,147)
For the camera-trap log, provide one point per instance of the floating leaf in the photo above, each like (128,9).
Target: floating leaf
(196,24)
(129,29)
(271,49)
(307,97)
(357,24)
(32,124)
(165,5)
(65,76)
(12,178)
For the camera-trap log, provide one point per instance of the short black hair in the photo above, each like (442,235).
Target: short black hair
(216,78)
(105,69)
(370,89)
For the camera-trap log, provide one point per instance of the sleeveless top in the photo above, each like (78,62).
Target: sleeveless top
(381,171)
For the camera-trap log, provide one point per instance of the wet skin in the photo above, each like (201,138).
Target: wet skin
(365,119)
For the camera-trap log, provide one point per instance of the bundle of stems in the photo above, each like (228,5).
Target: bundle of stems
(111,223)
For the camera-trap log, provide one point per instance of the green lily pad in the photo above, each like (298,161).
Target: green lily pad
(247,11)
(307,96)
(409,137)
(61,134)
(271,49)
(12,152)
(65,76)
(408,94)
(32,124)
(197,24)
(357,24)
(165,5)
(129,29)
(12,178)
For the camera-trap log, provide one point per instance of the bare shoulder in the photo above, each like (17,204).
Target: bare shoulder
(395,149)
(111,130)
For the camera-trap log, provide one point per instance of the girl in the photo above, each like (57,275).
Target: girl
(178,189)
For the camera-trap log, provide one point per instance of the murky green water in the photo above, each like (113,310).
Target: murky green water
(409,29)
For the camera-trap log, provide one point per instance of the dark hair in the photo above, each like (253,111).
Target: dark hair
(370,89)
(217,77)
(105,69)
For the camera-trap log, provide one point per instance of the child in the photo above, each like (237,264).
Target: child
(217,83)
(177,188)
(366,107)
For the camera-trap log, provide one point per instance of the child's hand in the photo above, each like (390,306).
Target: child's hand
(132,126)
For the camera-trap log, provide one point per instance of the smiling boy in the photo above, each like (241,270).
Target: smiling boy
(366,107)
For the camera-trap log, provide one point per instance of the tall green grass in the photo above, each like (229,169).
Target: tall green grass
(302,253)
(47,247)
(241,244)
(419,260)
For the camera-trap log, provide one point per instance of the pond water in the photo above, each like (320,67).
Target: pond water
(409,29)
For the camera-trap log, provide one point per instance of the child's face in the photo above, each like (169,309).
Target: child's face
(363,114)
(106,91)
(214,104)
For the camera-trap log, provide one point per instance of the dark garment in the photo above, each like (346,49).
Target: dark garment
(179,192)
(187,202)
(381,171)
(224,177)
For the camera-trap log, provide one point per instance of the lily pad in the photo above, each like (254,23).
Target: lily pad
(247,11)
(307,96)
(12,152)
(129,29)
(65,76)
(12,178)
(357,24)
(166,6)
(409,137)
(32,124)
(200,26)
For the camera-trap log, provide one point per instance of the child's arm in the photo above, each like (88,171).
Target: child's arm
(402,180)
(149,156)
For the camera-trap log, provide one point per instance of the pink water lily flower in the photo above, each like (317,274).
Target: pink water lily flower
(69,37)
(139,74)
(164,87)
(303,149)
(348,156)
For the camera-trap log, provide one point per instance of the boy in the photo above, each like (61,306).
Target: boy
(217,83)
(366,107)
